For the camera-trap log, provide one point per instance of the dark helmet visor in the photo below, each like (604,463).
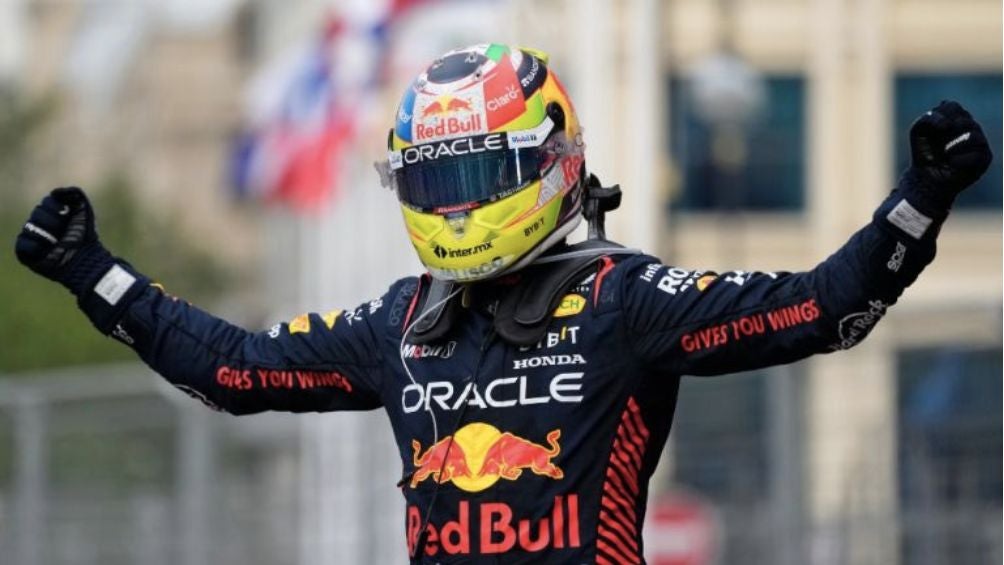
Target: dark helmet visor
(468,171)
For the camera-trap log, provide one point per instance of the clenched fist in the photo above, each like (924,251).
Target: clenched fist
(59,234)
(60,243)
(949,150)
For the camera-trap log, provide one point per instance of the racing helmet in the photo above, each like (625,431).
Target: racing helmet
(486,158)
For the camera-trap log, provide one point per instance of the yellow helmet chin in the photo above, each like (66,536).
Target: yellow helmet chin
(486,157)
(488,240)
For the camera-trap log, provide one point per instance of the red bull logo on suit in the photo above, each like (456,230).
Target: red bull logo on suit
(487,528)
(474,459)
(478,455)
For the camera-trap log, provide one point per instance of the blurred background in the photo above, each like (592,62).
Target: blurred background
(229,144)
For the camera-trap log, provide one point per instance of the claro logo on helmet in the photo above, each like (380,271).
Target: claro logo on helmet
(452,148)
(443,252)
(496,103)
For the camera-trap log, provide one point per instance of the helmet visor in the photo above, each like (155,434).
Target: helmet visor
(464,172)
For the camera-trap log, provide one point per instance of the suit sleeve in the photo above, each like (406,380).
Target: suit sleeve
(317,362)
(702,323)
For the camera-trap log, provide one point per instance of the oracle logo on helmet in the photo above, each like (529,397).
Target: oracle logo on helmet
(462,146)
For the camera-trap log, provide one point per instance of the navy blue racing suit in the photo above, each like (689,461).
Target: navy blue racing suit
(544,452)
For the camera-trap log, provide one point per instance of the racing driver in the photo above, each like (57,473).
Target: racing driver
(530,383)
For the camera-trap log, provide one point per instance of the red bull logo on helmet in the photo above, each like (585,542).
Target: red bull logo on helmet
(478,455)
(446,105)
(448,116)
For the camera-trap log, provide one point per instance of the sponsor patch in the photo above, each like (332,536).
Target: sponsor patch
(909,219)
(499,528)
(585,285)
(896,261)
(330,318)
(399,307)
(442,351)
(957,140)
(570,305)
(855,327)
(550,186)
(237,378)
(122,335)
(548,361)
(531,137)
(449,148)
(751,326)
(479,454)
(405,113)
(503,96)
(446,115)
(531,75)
(443,252)
(114,284)
(504,392)
(482,270)
(705,281)
(650,270)
(676,280)
(567,334)
(299,324)
(30,227)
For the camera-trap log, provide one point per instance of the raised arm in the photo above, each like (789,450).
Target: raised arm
(313,363)
(707,324)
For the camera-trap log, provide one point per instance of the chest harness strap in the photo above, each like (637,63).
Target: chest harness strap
(525,310)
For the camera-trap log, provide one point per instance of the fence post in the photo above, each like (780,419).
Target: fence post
(784,403)
(195,468)
(30,478)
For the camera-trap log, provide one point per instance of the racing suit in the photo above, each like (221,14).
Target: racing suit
(544,452)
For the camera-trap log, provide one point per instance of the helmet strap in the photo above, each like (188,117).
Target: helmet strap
(599,200)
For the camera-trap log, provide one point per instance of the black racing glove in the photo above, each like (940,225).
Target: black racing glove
(949,153)
(59,242)
(59,232)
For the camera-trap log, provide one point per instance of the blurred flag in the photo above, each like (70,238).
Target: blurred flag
(303,115)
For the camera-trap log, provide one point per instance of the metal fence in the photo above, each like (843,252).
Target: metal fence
(111,466)
(740,442)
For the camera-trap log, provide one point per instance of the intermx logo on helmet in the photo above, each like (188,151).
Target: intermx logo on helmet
(443,252)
